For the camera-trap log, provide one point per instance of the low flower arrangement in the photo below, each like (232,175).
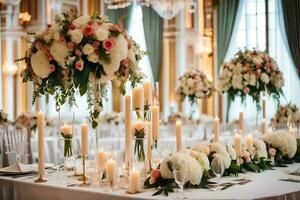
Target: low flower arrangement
(249,73)
(29,120)
(3,116)
(112,117)
(286,114)
(276,149)
(80,55)
(173,117)
(194,85)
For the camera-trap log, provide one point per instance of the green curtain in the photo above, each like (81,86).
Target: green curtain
(153,28)
(115,15)
(291,15)
(226,11)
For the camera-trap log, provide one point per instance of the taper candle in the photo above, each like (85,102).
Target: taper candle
(155,122)
(241,121)
(250,143)
(149,146)
(216,129)
(264,106)
(147,93)
(127,129)
(84,138)
(41,145)
(238,145)
(178,130)
(263,126)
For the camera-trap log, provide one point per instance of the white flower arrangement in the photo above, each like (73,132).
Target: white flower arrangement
(289,113)
(29,120)
(194,85)
(249,73)
(219,150)
(180,160)
(231,151)
(202,147)
(112,117)
(260,150)
(282,140)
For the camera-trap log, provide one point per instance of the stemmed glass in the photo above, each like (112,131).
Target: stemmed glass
(218,168)
(180,179)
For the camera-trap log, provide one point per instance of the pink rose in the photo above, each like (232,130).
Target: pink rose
(72,27)
(78,52)
(88,30)
(52,67)
(108,44)
(155,174)
(61,39)
(272,152)
(70,45)
(246,90)
(38,44)
(79,65)
(93,24)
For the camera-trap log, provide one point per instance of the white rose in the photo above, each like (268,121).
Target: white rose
(76,35)
(265,78)
(252,80)
(47,37)
(88,49)
(237,82)
(102,34)
(59,51)
(132,58)
(81,21)
(40,64)
(56,36)
(93,58)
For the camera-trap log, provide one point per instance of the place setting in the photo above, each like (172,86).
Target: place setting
(149,99)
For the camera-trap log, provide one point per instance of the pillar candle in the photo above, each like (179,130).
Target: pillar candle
(237,145)
(250,143)
(216,129)
(101,159)
(155,122)
(134,181)
(149,146)
(147,93)
(263,126)
(41,145)
(84,138)
(138,98)
(178,135)
(264,104)
(241,121)
(111,172)
(127,129)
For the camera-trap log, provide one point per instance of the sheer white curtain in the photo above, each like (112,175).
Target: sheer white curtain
(249,32)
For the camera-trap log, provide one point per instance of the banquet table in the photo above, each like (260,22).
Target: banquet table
(265,185)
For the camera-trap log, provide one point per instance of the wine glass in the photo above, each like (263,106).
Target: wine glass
(180,178)
(218,168)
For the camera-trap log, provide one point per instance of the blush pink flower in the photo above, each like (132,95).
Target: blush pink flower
(52,67)
(88,30)
(78,52)
(125,62)
(246,90)
(272,152)
(79,65)
(109,43)
(70,45)
(38,44)
(96,44)
(155,174)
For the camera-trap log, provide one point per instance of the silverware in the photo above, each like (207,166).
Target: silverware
(290,180)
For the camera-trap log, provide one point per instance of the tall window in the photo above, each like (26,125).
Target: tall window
(250,32)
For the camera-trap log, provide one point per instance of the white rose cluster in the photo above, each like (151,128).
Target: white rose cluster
(260,148)
(289,113)
(182,160)
(194,84)
(249,72)
(220,151)
(283,140)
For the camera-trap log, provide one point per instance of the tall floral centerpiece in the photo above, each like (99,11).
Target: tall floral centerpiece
(248,74)
(80,55)
(289,113)
(194,85)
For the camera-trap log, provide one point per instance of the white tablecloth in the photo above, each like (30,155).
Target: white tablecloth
(265,185)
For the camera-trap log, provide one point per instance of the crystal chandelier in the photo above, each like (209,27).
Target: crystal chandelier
(167,9)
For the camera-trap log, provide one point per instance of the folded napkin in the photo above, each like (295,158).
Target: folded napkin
(18,167)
